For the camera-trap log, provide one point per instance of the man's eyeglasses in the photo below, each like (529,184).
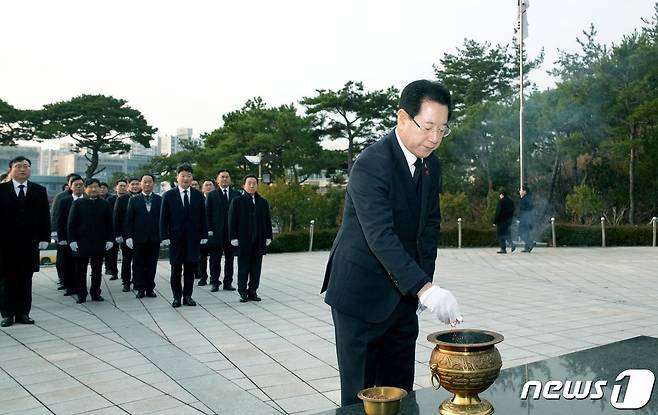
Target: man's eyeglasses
(441,131)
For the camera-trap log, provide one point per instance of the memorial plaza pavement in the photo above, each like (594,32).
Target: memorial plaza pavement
(134,356)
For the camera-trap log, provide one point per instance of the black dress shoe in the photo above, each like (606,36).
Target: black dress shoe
(214,288)
(7,321)
(229,288)
(151,294)
(81,299)
(532,245)
(61,287)
(513,247)
(114,277)
(24,319)
(126,288)
(202,282)
(254,297)
(243,298)
(69,292)
(501,252)
(97,298)
(175,303)
(140,294)
(189,301)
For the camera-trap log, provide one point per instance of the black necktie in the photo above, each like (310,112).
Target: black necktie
(226,194)
(418,163)
(21,192)
(148,198)
(186,200)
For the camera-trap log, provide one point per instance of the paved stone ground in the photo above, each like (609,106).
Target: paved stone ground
(277,356)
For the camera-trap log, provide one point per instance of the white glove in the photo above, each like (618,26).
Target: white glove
(210,233)
(61,243)
(108,245)
(204,241)
(119,239)
(129,243)
(268,242)
(234,242)
(442,303)
(53,235)
(74,246)
(165,243)
(43,245)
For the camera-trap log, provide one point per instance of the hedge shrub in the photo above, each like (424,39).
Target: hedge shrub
(584,235)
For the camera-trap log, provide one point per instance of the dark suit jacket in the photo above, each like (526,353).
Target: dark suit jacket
(22,227)
(141,225)
(56,206)
(250,223)
(504,211)
(90,225)
(184,229)
(217,212)
(119,215)
(386,246)
(60,223)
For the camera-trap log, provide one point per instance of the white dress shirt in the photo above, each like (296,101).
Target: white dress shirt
(408,155)
(182,195)
(17,189)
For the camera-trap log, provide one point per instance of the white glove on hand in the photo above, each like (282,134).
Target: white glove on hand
(129,243)
(210,233)
(442,303)
(61,243)
(108,245)
(43,245)
(268,242)
(165,243)
(204,241)
(119,239)
(74,246)
(53,235)
(234,242)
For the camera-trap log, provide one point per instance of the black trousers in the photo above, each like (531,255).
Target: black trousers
(249,267)
(15,293)
(145,264)
(59,265)
(216,263)
(111,258)
(81,263)
(524,232)
(202,268)
(187,270)
(126,264)
(376,354)
(68,268)
(504,235)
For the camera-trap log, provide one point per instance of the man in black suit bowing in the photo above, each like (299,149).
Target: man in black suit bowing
(250,230)
(90,237)
(381,264)
(143,236)
(217,205)
(25,229)
(183,228)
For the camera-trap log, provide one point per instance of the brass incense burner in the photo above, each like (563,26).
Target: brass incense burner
(465,362)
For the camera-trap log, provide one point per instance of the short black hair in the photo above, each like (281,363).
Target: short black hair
(149,175)
(503,191)
(18,160)
(104,184)
(63,186)
(73,177)
(184,167)
(133,179)
(222,171)
(121,180)
(525,188)
(248,176)
(416,92)
(208,180)
(89,182)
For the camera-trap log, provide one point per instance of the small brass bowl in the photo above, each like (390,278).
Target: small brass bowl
(386,406)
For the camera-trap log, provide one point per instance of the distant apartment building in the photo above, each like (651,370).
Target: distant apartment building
(172,144)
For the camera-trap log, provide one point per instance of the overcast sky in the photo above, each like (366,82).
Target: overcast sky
(186,63)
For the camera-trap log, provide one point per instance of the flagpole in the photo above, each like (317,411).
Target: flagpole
(520,92)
